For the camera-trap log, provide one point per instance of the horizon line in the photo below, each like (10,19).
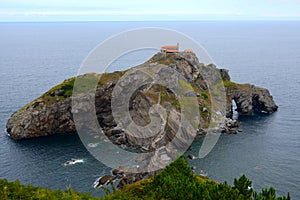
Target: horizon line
(177,20)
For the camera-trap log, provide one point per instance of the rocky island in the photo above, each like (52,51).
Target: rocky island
(55,112)
(51,113)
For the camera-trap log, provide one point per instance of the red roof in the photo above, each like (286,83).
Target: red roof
(170,49)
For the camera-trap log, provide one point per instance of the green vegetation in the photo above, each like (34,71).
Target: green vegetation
(14,190)
(233,85)
(166,96)
(110,77)
(177,181)
(63,90)
(168,59)
(83,83)
(230,84)
(204,95)
(86,83)
(35,104)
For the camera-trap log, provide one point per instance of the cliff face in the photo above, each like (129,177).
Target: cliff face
(52,112)
(41,119)
(249,98)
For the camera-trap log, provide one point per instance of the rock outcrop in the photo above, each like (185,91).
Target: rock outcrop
(52,113)
(41,118)
(249,98)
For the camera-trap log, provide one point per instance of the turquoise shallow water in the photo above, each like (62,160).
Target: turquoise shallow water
(36,56)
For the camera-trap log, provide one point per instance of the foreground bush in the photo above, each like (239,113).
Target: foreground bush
(14,190)
(175,182)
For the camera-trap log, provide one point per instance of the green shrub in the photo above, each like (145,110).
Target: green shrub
(14,190)
(204,95)
(35,104)
(244,186)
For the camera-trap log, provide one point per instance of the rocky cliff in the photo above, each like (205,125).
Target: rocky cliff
(52,113)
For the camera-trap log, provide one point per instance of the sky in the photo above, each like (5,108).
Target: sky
(143,10)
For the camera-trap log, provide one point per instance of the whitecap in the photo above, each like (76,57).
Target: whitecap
(92,145)
(73,162)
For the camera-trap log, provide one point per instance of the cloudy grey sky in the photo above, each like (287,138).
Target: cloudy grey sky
(140,10)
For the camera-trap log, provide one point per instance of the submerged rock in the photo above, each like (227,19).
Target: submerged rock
(103,181)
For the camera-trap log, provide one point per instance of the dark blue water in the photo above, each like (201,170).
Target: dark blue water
(36,56)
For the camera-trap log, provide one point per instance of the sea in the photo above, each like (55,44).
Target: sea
(36,56)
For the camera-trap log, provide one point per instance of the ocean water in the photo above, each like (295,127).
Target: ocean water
(36,56)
